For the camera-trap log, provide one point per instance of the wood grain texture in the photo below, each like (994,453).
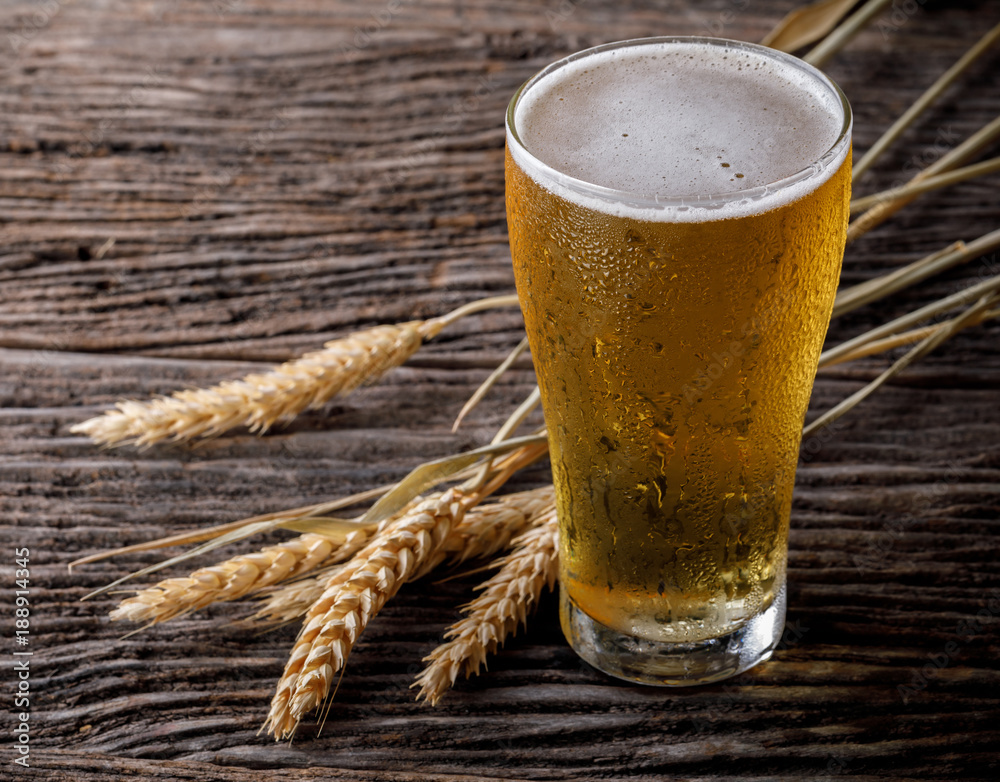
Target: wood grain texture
(273,175)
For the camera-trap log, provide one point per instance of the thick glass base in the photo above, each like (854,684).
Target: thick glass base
(674,664)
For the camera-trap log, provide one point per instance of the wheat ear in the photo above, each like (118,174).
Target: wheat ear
(261,400)
(483,532)
(236,577)
(497,612)
(357,594)
(487,529)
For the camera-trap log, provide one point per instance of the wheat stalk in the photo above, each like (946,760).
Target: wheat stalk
(882,211)
(806,24)
(483,532)
(842,35)
(920,105)
(942,332)
(236,577)
(872,290)
(259,401)
(487,384)
(355,596)
(960,299)
(885,344)
(934,182)
(502,607)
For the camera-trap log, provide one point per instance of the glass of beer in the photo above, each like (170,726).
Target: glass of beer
(677,211)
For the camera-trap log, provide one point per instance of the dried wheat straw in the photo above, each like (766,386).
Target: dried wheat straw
(261,400)
(236,577)
(497,612)
(949,161)
(483,532)
(355,596)
(806,24)
(844,32)
(923,102)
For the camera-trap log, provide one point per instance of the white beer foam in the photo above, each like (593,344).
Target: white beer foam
(689,131)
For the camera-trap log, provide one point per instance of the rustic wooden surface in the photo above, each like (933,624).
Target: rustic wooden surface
(273,175)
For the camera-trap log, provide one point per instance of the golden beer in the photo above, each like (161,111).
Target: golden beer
(677,213)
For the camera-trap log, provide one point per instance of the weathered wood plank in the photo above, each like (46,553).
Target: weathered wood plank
(272,179)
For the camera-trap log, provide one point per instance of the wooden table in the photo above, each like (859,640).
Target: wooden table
(191,191)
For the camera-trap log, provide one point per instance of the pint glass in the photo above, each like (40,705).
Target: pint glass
(677,211)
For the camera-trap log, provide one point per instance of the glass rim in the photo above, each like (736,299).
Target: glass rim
(701,201)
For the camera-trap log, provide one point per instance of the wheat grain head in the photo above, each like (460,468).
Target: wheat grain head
(236,577)
(357,594)
(503,605)
(483,532)
(259,401)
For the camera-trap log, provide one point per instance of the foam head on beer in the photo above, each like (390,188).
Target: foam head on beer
(668,120)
